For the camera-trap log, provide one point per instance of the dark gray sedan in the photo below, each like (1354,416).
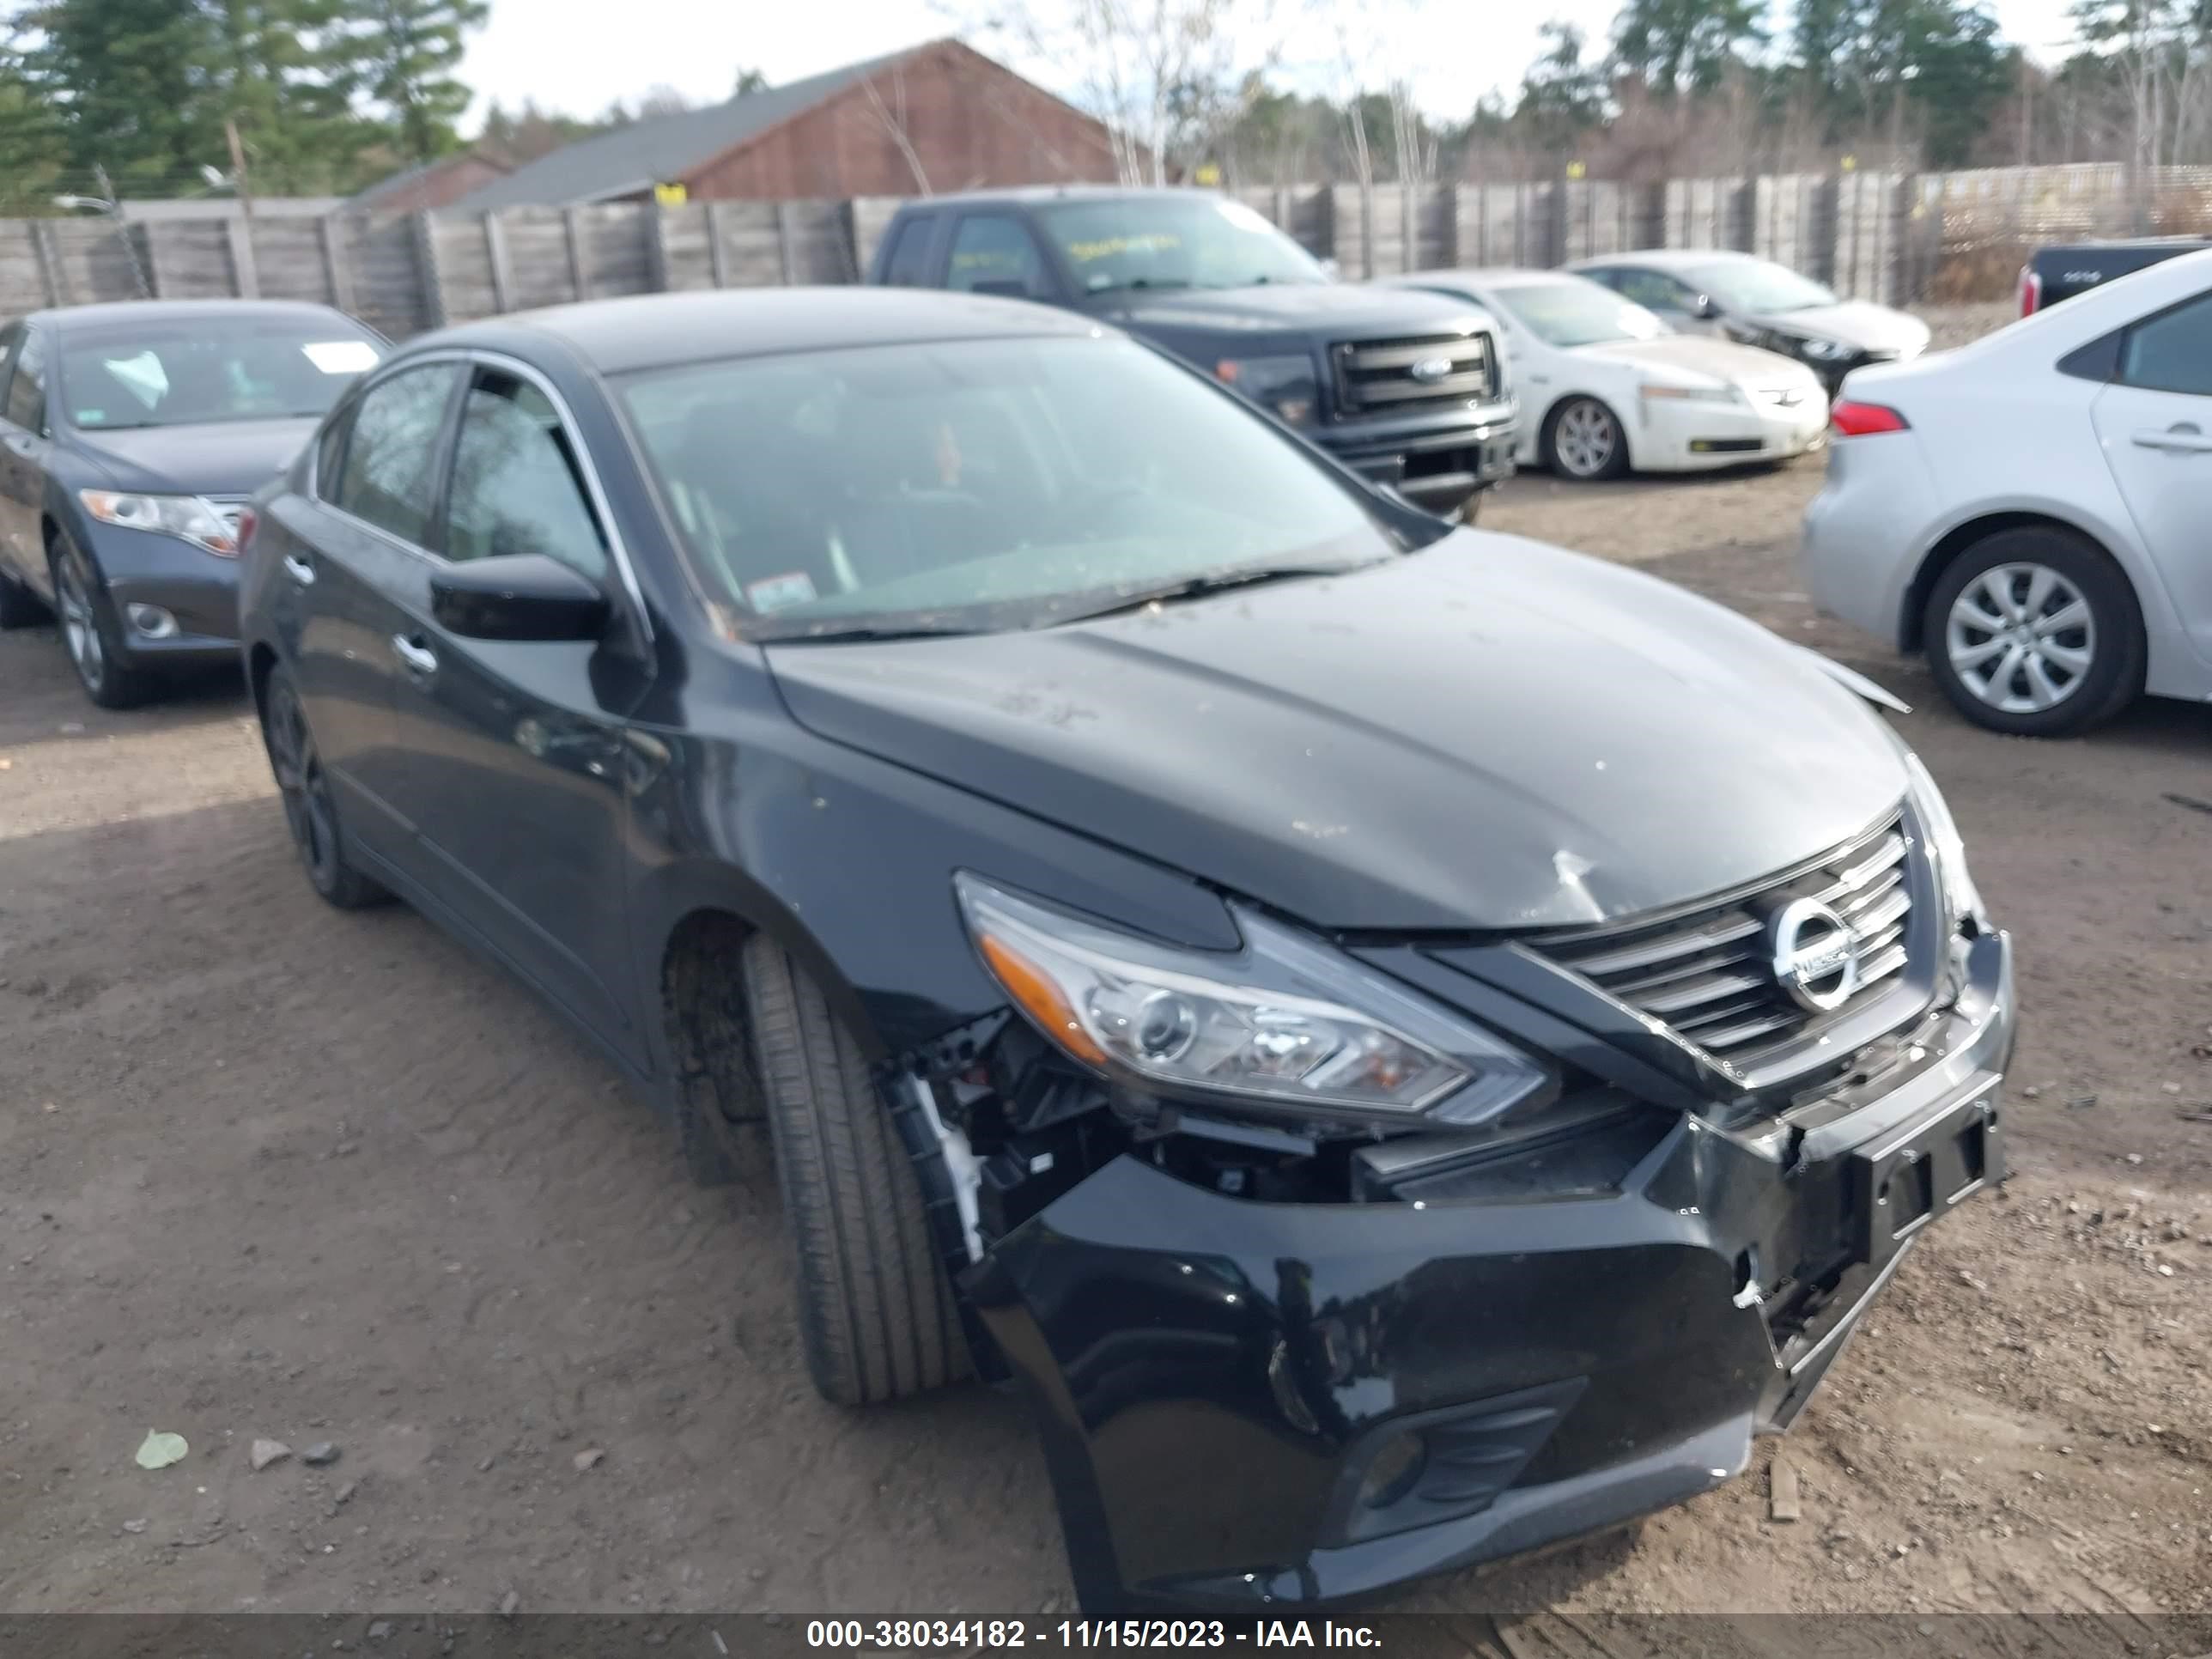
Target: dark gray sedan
(130,435)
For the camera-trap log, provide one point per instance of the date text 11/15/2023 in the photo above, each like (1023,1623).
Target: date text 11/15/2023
(970,1634)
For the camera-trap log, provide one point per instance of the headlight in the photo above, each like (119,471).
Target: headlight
(1692,394)
(1286,1024)
(186,517)
(1823,351)
(1285,385)
(1948,846)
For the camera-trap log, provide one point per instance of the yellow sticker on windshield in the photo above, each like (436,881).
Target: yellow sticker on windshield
(1106,247)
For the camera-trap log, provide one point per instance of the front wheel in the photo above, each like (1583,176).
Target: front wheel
(2035,632)
(875,1314)
(1583,439)
(92,633)
(310,811)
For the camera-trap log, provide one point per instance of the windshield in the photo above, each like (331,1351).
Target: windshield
(211,367)
(1577,314)
(1173,241)
(1755,285)
(975,485)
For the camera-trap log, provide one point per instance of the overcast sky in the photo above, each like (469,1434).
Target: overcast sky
(578,55)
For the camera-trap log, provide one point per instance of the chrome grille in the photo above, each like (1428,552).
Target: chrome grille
(1710,974)
(1377,377)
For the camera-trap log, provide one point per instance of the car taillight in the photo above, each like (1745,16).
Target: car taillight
(1856,420)
(2030,291)
(248,522)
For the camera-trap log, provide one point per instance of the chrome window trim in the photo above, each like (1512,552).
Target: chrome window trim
(475,356)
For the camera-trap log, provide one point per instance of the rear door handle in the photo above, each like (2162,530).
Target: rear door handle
(421,661)
(2179,440)
(299,570)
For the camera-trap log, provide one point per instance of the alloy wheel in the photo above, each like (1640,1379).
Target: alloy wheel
(1585,439)
(305,790)
(2021,638)
(80,627)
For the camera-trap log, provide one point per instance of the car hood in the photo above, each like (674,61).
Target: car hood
(1856,323)
(1693,354)
(220,458)
(1332,309)
(1486,734)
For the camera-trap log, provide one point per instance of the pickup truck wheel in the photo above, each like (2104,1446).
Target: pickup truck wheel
(1471,508)
(876,1313)
(2035,632)
(1583,439)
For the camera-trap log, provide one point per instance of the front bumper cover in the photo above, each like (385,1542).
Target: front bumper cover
(1221,1383)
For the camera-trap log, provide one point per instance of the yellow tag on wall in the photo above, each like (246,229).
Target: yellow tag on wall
(673,195)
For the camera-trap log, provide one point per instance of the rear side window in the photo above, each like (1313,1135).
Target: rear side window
(27,391)
(391,460)
(2171,352)
(518,486)
(908,265)
(992,253)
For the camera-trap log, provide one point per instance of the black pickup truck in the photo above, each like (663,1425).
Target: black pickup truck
(2052,274)
(1407,388)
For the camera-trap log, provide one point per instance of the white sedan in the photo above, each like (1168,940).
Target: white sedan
(1605,387)
(2029,510)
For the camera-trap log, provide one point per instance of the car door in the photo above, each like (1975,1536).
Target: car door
(2155,423)
(513,778)
(24,443)
(345,551)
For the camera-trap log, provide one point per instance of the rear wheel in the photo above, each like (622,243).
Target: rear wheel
(2035,632)
(311,812)
(92,633)
(1583,439)
(876,1313)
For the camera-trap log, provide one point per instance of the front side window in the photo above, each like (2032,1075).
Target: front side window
(390,456)
(211,367)
(1756,285)
(1570,312)
(518,485)
(2171,352)
(26,389)
(1652,290)
(977,486)
(992,253)
(1168,241)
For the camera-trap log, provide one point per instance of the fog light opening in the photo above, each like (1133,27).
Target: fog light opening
(151,621)
(1394,1471)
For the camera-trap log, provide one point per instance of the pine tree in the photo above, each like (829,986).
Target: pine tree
(127,81)
(399,56)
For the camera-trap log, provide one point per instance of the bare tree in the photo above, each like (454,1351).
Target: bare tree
(890,116)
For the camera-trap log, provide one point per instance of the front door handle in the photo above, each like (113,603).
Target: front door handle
(299,570)
(421,661)
(2184,439)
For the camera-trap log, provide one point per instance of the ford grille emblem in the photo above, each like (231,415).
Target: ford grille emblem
(1429,369)
(1815,955)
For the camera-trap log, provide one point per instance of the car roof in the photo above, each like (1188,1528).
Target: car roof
(656,331)
(1490,276)
(1032,195)
(1669,258)
(69,319)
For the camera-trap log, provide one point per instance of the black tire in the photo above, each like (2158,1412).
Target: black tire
(92,634)
(311,809)
(1615,464)
(876,1312)
(19,606)
(1471,508)
(2114,675)
(721,1116)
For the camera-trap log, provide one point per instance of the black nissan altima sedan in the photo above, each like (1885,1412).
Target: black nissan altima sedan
(130,434)
(1407,1043)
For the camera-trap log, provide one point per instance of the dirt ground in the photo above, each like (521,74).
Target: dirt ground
(268,1171)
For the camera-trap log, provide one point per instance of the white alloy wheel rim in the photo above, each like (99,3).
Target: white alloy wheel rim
(2021,638)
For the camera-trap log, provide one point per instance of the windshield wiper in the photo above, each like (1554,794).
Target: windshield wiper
(1137,282)
(1192,588)
(845,636)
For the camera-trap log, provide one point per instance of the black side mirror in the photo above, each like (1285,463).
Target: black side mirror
(1706,306)
(518,596)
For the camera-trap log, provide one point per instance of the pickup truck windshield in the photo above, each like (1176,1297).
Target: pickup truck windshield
(977,485)
(1577,314)
(1173,241)
(1754,285)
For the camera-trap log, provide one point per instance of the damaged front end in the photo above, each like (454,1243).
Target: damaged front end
(1351,1262)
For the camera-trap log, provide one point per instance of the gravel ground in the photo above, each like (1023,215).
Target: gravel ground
(271,1171)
